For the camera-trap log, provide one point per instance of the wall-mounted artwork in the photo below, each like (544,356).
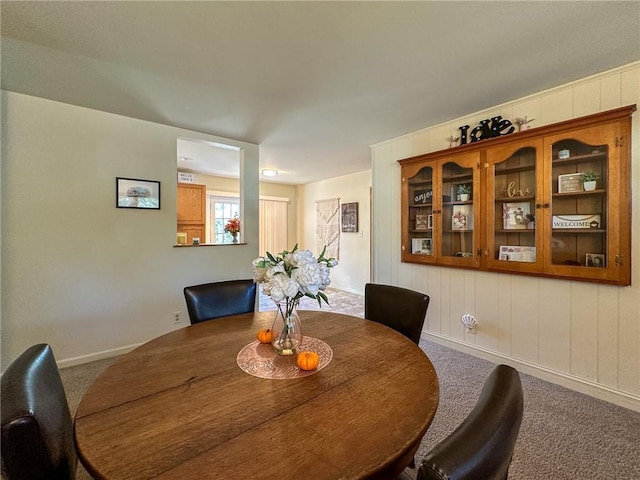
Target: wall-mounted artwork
(328,227)
(350,217)
(136,193)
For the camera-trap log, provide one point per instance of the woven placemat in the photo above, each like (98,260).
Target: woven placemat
(261,360)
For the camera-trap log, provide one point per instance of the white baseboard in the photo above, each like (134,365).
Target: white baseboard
(92,357)
(347,289)
(595,390)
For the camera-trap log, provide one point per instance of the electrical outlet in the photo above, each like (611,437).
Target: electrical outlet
(176,318)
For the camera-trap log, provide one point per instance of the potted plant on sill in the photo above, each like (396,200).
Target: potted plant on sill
(589,180)
(464,191)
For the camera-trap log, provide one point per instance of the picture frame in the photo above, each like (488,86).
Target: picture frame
(596,260)
(137,193)
(462,218)
(514,215)
(570,183)
(349,217)
(422,246)
(422,221)
(517,253)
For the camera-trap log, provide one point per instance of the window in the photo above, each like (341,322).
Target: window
(219,211)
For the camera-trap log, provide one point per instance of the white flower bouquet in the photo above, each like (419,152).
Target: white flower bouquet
(292,275)
(287,278)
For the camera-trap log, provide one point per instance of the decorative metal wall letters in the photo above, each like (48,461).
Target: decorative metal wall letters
(489,128)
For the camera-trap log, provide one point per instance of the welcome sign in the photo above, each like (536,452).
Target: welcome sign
(576,221)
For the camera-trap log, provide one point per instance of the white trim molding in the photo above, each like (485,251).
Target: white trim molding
(595,390)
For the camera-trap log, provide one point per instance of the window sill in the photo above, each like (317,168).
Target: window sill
(212,245)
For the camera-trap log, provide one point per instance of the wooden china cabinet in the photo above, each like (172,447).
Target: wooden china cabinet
(528,211)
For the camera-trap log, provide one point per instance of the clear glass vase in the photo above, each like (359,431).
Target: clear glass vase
(286,328)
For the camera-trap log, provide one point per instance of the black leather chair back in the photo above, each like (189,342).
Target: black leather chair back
(402,309)
(482,446)
(37,430)
(219,299)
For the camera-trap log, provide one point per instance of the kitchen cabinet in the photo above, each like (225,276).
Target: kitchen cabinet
(191,209)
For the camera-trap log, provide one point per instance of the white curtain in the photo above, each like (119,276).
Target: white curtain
(273,226)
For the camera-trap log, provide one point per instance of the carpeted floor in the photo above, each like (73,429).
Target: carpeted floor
(564,435)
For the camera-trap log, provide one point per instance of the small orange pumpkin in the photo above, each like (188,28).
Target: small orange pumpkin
(308,360)
(265,335)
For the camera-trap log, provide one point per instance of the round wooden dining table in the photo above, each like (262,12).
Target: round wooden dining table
(180,406)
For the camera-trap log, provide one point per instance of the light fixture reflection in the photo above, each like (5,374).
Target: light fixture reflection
(269,172)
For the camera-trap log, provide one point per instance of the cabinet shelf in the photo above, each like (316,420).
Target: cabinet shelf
(457,202)
(511,170)
(599,191)
(523,171)
(578,230)
(514,199)
(579,158)
(458,178)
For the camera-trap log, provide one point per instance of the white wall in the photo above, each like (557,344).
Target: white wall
(353,270)
(77,273)
(585,336)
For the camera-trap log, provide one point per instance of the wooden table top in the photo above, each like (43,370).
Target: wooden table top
(179,407)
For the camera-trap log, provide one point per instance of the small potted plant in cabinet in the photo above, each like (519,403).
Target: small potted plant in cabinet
(589,179)
(464,191)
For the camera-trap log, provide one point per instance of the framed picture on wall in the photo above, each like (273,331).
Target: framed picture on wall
(349,217)
(136,193)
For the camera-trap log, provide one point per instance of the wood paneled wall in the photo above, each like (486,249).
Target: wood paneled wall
(584,336)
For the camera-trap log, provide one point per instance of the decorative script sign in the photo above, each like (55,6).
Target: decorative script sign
(489,128)
(513,191)
(422,196)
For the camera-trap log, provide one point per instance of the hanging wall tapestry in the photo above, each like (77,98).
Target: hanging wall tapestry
(328,227)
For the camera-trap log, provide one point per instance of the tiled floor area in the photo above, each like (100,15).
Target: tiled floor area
(339,301)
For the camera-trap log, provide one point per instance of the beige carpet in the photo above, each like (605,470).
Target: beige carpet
(565,435)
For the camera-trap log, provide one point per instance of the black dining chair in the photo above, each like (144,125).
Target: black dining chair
(402,309)
(37,430)
(219,299)
(482,445)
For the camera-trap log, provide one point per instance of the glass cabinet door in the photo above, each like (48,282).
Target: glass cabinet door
(511,209)
(420,214)
(580,216)
(457,219)
(553,202)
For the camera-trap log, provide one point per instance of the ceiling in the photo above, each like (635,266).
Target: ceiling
(313,83)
